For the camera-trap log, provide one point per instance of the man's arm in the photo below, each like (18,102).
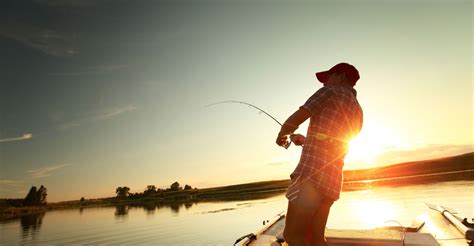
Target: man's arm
(312,106)
(291,124)
(294,121)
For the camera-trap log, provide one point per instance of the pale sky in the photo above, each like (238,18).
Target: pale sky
(100,94)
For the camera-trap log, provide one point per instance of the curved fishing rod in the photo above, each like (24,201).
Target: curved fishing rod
(248,104)
(253,106)
(286,146)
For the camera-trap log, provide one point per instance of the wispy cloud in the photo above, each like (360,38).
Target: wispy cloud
(9,186)
(68,125)
(22,137)
(10,182)
(45,171)
(104,115)
(92,70)
(48,41)
(114,112)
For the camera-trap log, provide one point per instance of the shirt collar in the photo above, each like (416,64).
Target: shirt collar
(353,91)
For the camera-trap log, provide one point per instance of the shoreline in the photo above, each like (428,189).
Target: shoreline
(215,195)
(412,173)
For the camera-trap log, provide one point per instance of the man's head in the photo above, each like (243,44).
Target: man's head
(342,73)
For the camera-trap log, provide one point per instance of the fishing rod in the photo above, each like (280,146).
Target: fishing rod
(318,136)
(253,106)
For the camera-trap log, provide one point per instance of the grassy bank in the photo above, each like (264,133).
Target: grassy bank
(442,165)
(8,213)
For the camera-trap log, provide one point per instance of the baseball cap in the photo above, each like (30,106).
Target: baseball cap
(350,71)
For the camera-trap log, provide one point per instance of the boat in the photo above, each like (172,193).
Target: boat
(438,226)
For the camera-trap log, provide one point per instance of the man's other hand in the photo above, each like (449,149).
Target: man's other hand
(298,139)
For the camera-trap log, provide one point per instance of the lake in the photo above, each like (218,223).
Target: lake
(220,223)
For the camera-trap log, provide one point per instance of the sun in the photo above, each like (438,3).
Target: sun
(372,141)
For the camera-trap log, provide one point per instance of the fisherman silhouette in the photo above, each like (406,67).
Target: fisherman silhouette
(335,118)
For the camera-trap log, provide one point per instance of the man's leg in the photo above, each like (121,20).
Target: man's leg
(304,200)
(318,224)
(296,224)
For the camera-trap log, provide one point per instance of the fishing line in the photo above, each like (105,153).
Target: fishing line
(317,171)
(248,104)
(255,107)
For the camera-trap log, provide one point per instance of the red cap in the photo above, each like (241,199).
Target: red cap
(345,68)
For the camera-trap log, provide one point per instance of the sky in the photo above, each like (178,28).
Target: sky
(100,94)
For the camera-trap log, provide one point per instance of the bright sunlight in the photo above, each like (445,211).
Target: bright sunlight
(372,141)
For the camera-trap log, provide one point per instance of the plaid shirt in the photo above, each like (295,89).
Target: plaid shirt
(336,118)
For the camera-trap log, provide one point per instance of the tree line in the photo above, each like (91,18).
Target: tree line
(124,191)
(36,196)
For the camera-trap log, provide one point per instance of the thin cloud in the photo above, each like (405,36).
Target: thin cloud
(10,182)
(48,41)
(9,185)
(114,112)
(97,117)
(68,125)
(20,138)
(92,70)
(45,171)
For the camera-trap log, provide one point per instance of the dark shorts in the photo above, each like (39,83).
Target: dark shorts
(303,194)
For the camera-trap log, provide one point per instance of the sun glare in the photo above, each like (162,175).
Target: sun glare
(374,213)
(364,150)
(370,143)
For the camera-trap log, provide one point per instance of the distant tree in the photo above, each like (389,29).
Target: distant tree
(32,197)
(150,189)
(82,199)
(42,194)
(175,186)
(122,191)
(188,187)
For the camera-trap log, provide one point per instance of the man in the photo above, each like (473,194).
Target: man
(335,118)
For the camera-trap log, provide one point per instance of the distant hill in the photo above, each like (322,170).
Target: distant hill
(462,162)
(459,167)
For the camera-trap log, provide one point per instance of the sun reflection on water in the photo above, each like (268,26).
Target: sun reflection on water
(367,213)
(374,213)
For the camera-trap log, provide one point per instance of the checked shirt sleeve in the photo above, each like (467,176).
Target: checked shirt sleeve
(318,100)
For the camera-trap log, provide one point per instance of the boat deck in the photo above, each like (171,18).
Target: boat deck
(435,231)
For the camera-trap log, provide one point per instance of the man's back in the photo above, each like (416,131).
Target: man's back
(336,118)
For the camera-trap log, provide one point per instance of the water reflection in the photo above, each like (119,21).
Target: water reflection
(30,224)
(374,212)
(149,208)
(175,207)
(188,205)
(148,223)
(121,211)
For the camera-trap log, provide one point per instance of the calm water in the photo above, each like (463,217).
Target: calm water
(220,223)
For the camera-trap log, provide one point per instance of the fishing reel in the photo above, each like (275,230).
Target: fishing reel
(287,145)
